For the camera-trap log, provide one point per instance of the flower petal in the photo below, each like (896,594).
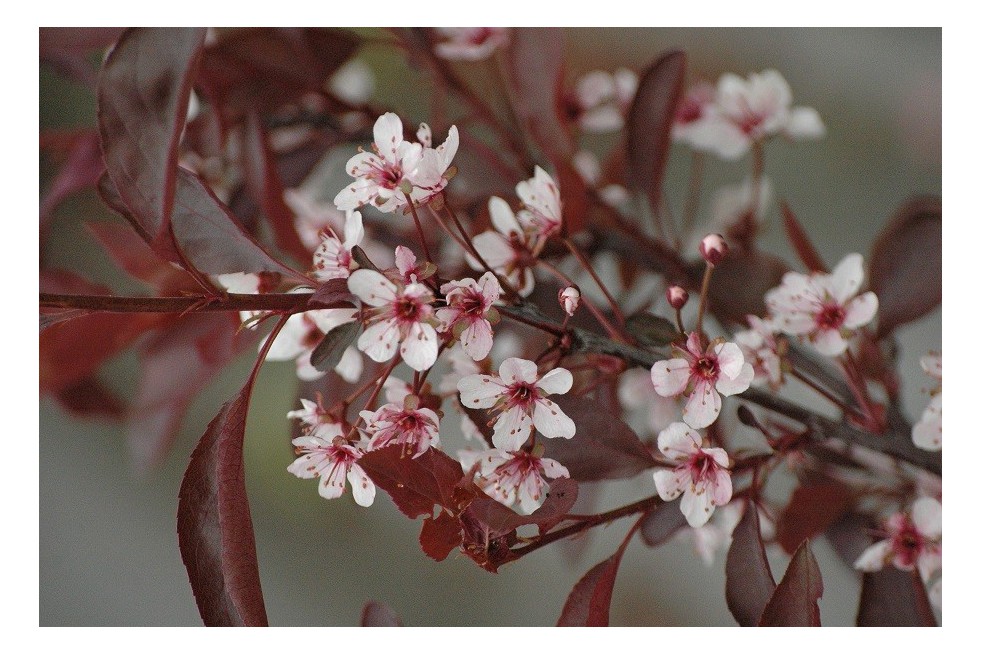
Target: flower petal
(703,406)
(670,377)
(551,421)
(512,429)
(671,484)
(861,310)
(697,505)
(514,370)
(678,441)
(362,488)
(874,557)
(420,346)
(558,381)
(926,515)
(480,391)
(372,287)
(738,384)
(380,340)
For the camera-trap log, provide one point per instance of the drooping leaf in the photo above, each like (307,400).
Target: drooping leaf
(739,283)
(136,258)
(795,600)
(263,182)
(801,242)
(894,598)
(67,49)
(588,604)
(905,264)
(651,330)
(662,523)
(439,536)
(89,397)
(649,124)
(810,511)
(749,581)
(214,526)
(143,101)
(415,484)
(328,352)
(379,615)
(603,448)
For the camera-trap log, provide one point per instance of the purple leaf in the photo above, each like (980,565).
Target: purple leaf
(905,264)
(143,102)
(740,282)
(661,524)
(811,510)
(649,124)
(894,598)
(379,615)
(604,447)
(499,520)
(89,397)
(214,526)
(749,582)
(333,293)
(415,484)
(588,604)
(801,242)
(81,170)
(439,536)
(795,600)
(136,258)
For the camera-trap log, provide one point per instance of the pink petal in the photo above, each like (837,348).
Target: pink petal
(830,343)
(703,406)
(730,359)
(861,310)
(477,339)
(380,340)
(372,287)
(678,441)
(502,217)
(493,248)
(738,384)
(388,136)
(514,370)
(551,421)
(553,469)
(697,505)
(722,489)
(670,377)
(670,484)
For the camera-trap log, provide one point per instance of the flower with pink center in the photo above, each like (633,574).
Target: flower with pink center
(303,332)
(466,316)
(470,43)
(692,110)
(748,111)
(508,248)
(412,427)
(395,169)
(540,195)
(409,270)
(325,454)
(823,308)
(332,259)
(518,394)
(509,476)
(913,540)
(927,431)
(701,376)
(600,100)
(764,350)
(701,477)
(402,317)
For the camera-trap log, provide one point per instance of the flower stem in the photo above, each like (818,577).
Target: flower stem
(419,228)
(585,263)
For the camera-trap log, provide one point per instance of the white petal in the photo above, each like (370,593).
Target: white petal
(388,136)
(419,348)
(515,369)
(558,381)
(927,433)
(697,505)
(738,384)
(477,339)
(493,248)
(553,469)
(730,359)
(372,287)
(670,376)
(678,441)
(847,277)
(354,229)
(332,484)
(926,515)
(502,217)
(479,391)
(551,421)
(350,366)
(830,343)
(512,429)
(861,310)
(289,342)
(670,484)
(874,557)
(805,123)
(703,406)
(380,341)
(362,488)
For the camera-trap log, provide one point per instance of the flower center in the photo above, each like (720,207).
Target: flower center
(701,466)
(407,309)
(908,544)
(707,368)
(522,394)
(831,317)
(471,304)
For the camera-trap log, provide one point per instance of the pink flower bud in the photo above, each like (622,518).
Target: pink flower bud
(713,248)
(677,296)
(569,299)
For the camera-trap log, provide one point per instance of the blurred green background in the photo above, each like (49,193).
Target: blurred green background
(109,551)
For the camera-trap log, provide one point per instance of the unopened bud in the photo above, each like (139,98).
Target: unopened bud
(569,299)
(677,296)
(713,248)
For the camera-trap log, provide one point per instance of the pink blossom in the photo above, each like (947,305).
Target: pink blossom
(701,477)
(312,415)
(469,305)
(824,307)
(540,195)
(702,376)
(518,394)
(470,43)
(713,248)
(692,111)
(402,317)
(913,540)
(519,475)
(303,332)
(332,259)
(676,296)
(507,249)
(600,100)
(764,350)
(927,431)
(326,454)
(569,300)
(414,428)
(395,169)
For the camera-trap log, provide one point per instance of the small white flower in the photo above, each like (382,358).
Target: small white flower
(540,195)
(927,431)
(702,476)
(326,455)
(514,476)
(913,541)
(332,259)
(469,304)
(412,427)
(508,248)
(569,299)
(763,350)
(601,100)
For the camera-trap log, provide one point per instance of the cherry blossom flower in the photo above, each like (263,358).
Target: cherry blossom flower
(510,476)
(313,217)
(326,455)
(518,394)
(402,318)
(927,431)
(702,376)
(409,270)
(312,415)
(713,248)
(396,168)
(764,350)
(414,428)
(540,195)
(692,110)
(747,111)
(569,299)
(469,307)
(600,100)
(332,259)
(303,332)
(702,476)
(913,540)
(507,249)
(824,308)
(470,43)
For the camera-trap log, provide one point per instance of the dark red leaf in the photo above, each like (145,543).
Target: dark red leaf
(739,283)
(604,447)
(795,600)
(588,604)
(484,540)
(333,293)
(661,524)
(262,68)
(89,397)
(143,102)
(136,258)
(749,582)
(649,124)
(81,170)
(77,40)
(329,351)
(214,526)
(264,184)
(415,484)
(905,264)
(810,511)
(894,598)
(801,242)
(440,536)
(379,615)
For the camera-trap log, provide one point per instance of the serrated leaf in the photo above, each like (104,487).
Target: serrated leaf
(144,91)
(415,484)
(795,600)
(749,581)
(329,351)
(905,264)
(649,124)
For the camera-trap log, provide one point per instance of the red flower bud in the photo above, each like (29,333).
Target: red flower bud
(677,296)
(713,249)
